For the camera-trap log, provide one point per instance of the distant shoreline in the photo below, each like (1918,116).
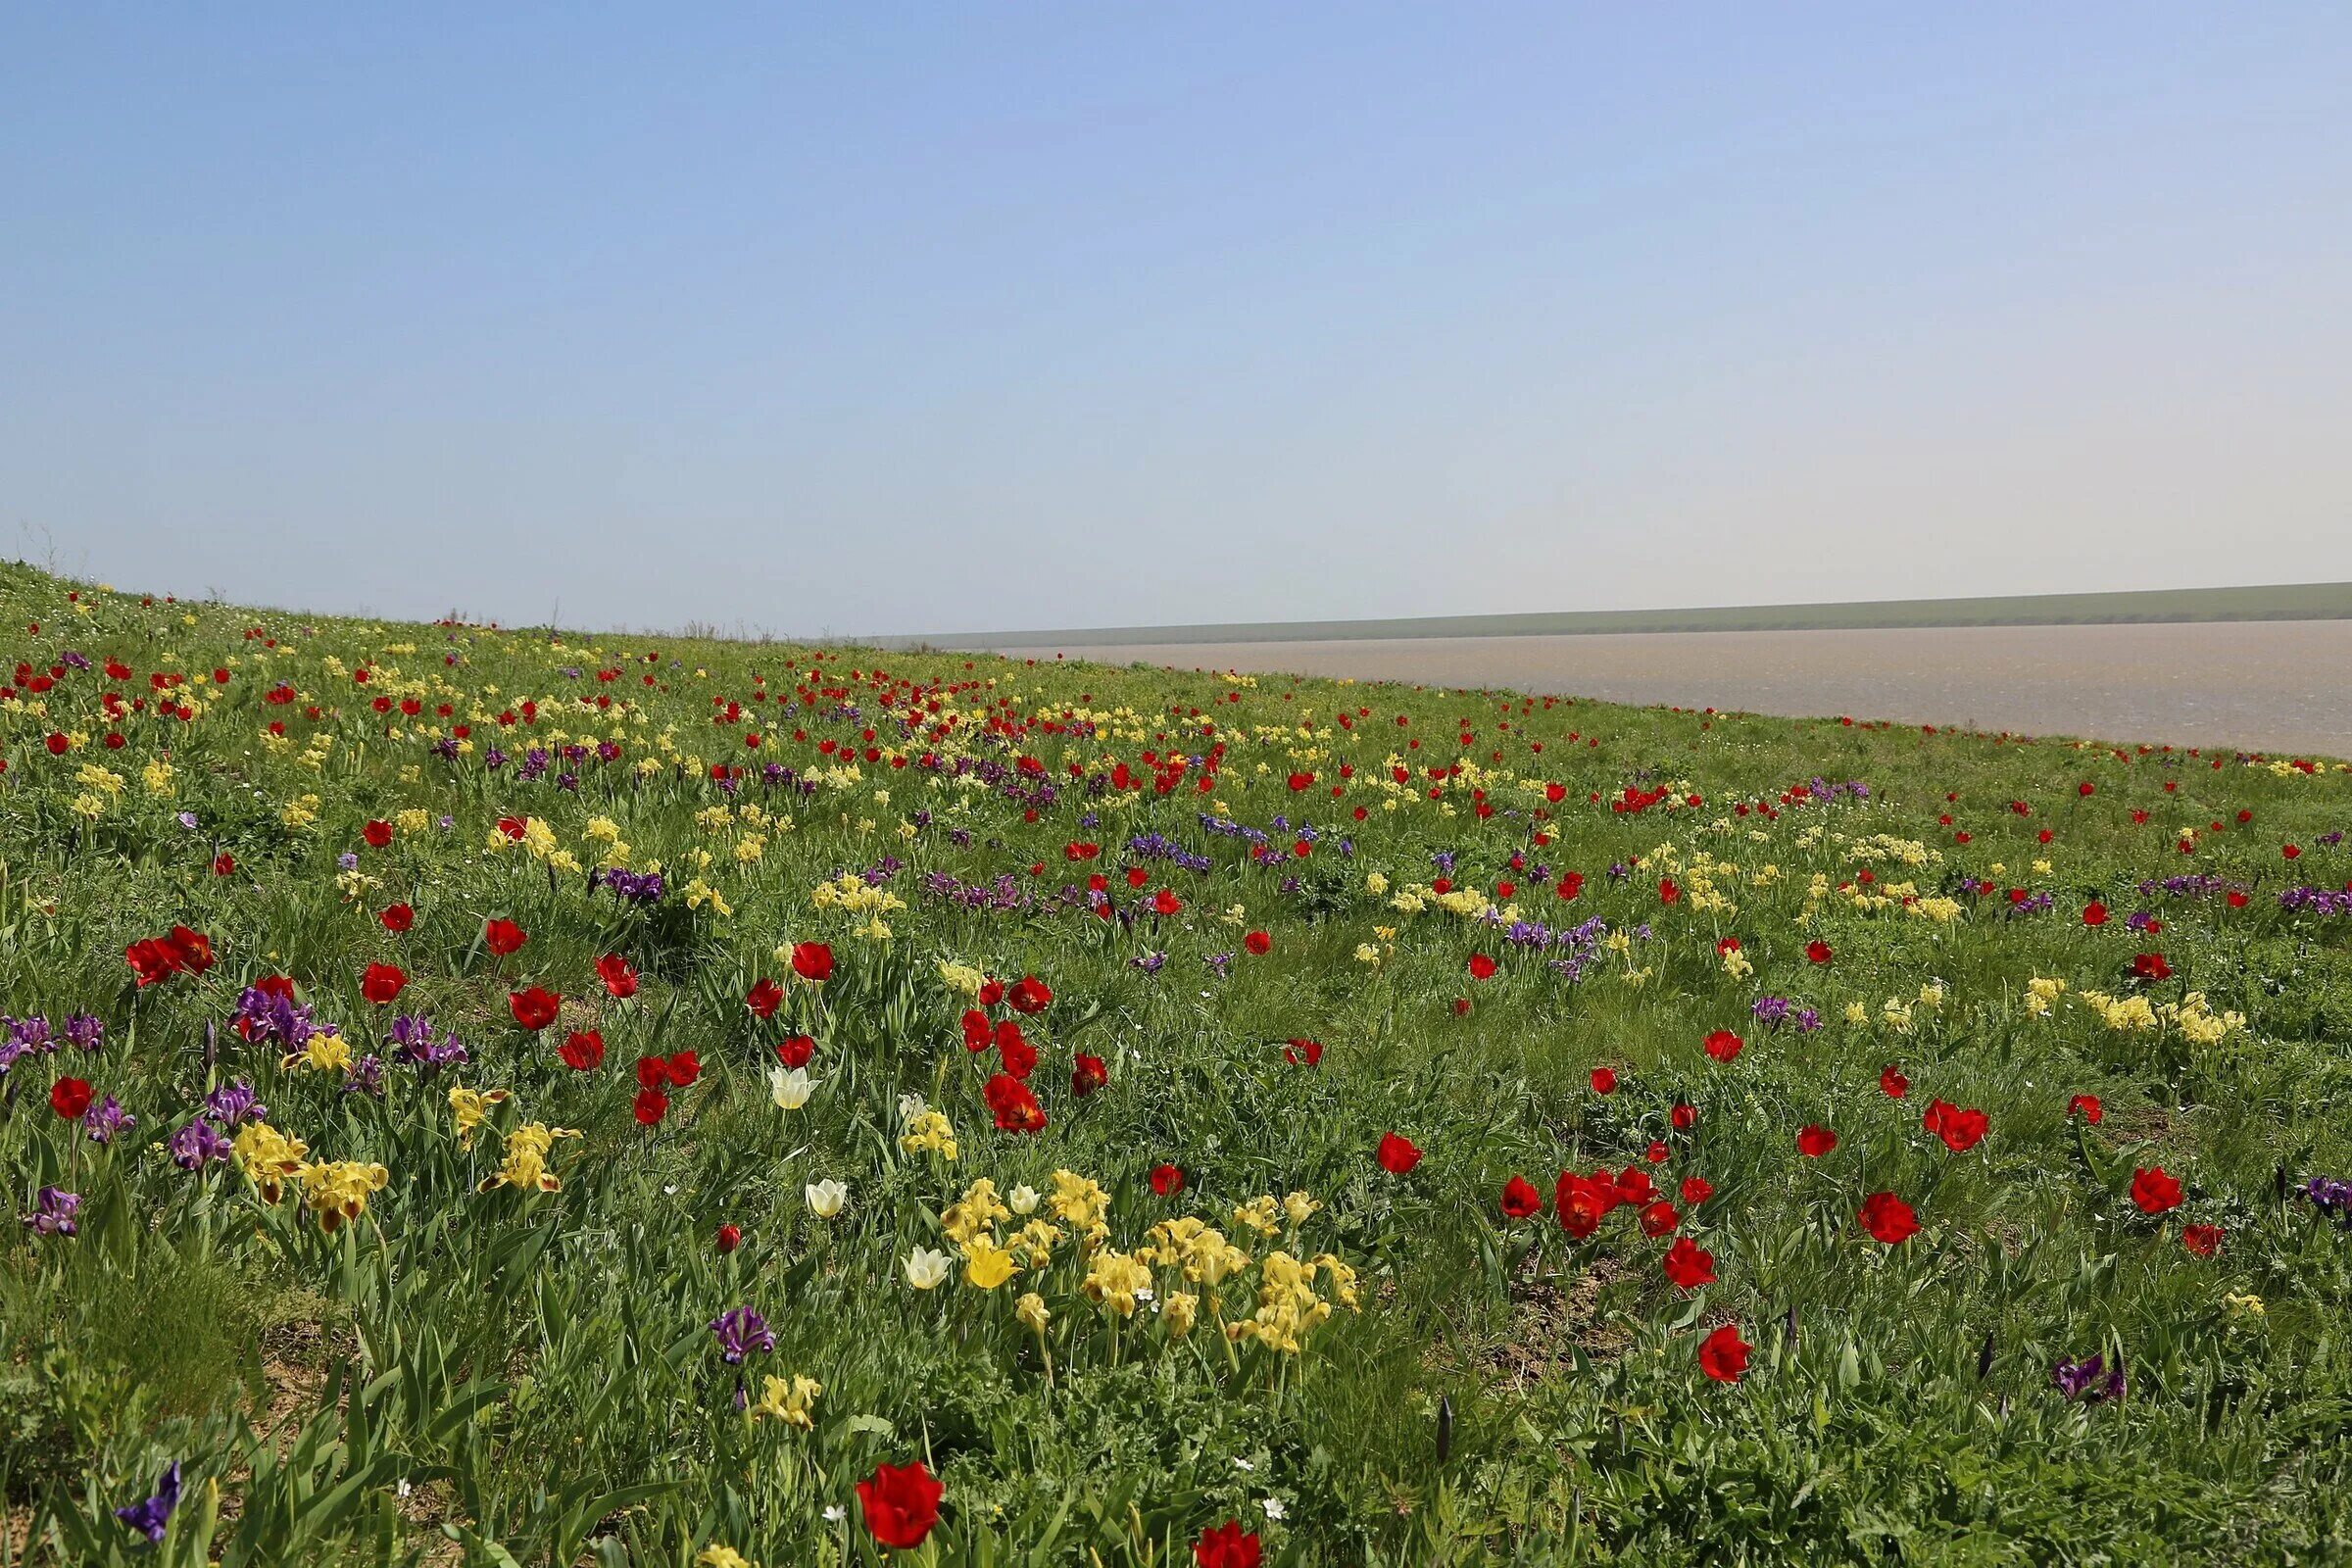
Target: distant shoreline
(2327,601)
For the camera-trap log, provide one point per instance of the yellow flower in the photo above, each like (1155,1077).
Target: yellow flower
(267,1157)
(1258,1215)
(929,1132)
(1298,1207)
(325,1051)
(716,1555)
(792,1404)
(525,1162)
(1080,1202)
(974,1215)
(1114,1278)
(1179,1312)
(470,1107)
(987,1265)
(1031,1310)
(336,1191)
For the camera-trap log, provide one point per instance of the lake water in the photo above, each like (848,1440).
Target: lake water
(2282,686)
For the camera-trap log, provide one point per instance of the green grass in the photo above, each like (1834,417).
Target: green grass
(495,1375)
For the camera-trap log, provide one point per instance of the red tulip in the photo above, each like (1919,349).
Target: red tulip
(1226,1546)
(1723,1355)
(1688,1265)
(1520,1199)
(764,997)
(69,1097)
(1888,1218)
(1397,1155)
(2154,1190)
(620,981)
(534,1006)
(383,982)
(901,1505)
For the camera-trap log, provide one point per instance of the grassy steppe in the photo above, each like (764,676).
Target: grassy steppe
(221,831)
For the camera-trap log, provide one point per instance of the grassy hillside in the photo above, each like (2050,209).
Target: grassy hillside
(1297,1122)
(2312,601)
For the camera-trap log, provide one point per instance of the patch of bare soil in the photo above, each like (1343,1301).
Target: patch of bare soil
(1549,1315)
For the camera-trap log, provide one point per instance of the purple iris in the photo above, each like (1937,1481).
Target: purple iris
(53,1213)
(233,1102)
(150,1517)
(2330,1195)
(412,1042)
(107,1120)
(741,1331)
(196,1144)
(2088,1380)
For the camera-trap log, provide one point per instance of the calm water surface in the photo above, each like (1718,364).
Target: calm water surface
(2272,686)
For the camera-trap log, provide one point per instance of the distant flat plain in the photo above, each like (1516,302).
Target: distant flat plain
(2274,686)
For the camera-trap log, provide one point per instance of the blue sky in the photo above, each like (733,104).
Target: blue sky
(899,320)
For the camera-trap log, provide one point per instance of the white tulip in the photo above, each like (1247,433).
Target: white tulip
(1024,1199)
(925,1268)
(826,1197)
(793,1088)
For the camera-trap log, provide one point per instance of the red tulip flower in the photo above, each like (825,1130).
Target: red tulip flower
(763,999)
(383,982)
(619,980)
(534,1006)
(901,1505)
(1226,1545)
(1723,1355)
(1888,1218)
(69,1097)
(1520,1200)
(1397,1156)
(2154,1190)
(1688,1265)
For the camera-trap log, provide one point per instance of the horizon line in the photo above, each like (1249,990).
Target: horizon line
(2309,600)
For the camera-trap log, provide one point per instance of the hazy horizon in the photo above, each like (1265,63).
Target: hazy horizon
(984,320)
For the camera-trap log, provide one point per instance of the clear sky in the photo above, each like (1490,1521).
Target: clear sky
(900,319)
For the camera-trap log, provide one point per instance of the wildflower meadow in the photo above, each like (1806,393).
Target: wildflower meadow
(530,1097)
